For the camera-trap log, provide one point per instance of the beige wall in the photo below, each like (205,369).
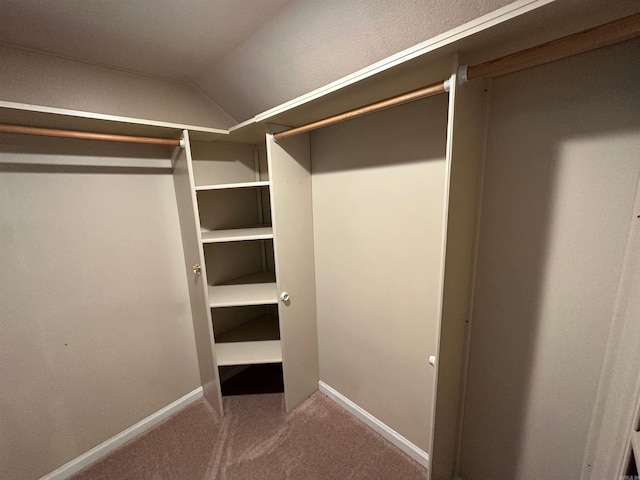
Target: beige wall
(95,330)
(35,78)
(561,174)
(378,193)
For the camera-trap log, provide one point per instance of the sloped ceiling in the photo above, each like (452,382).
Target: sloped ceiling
(246,55)
(176,39)
(313,42)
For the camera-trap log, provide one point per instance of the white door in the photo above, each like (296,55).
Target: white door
(291,208)
(183,182)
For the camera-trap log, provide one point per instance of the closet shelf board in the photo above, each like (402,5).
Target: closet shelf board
(237,234)
(223,186)
(635,444)
(248,353)
(481,39)
(256,289)
(61,118)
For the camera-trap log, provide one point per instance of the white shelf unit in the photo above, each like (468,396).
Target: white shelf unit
(237,234)
(232,192)
(256,289)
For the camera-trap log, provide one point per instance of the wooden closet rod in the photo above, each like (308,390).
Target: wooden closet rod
(601,36)
(50,132)
(597,37)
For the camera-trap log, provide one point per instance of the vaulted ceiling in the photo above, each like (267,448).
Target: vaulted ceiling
(246,55)
(175,39)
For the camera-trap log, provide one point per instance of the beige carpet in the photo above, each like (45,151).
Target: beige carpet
(256,440)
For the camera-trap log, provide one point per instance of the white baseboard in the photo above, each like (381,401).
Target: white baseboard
(96,453)
(387,432)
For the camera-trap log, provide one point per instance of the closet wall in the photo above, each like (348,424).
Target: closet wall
(378,188)
(96,330)
(562,166)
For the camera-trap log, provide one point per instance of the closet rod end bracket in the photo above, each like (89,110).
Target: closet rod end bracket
(183,143)
(463,74)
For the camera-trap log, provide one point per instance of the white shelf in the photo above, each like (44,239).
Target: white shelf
(256,289)
(248,353)
(223,186)
(635,445)
(237,234)
(52,117)
(253,342)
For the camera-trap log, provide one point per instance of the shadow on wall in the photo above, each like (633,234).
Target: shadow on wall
(560,180)
(33,153)
(410,133)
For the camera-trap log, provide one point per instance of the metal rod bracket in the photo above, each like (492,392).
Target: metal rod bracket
(462,74)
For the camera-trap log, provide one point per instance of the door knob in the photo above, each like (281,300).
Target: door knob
(197,269)
(284,296)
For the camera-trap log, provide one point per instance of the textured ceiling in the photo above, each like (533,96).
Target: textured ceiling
(246,55)
(169,38)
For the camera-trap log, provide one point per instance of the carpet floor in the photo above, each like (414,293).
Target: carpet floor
(257,440)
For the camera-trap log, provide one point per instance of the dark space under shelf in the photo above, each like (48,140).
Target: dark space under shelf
(265,378)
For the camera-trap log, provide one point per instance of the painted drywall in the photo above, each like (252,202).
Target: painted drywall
(95,331)
(311,43)
(164,37)
(561,173)
(34,78)
(378,196)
